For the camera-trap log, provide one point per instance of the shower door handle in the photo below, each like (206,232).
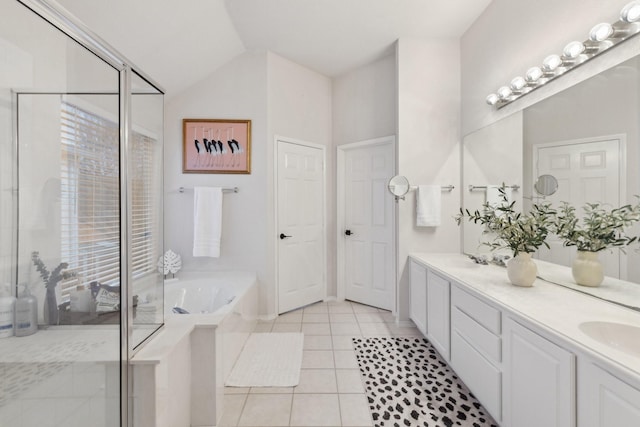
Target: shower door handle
(283,236)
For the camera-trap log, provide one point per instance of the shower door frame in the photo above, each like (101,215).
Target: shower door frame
(76,30)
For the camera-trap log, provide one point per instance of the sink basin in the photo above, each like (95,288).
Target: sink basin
(620,336)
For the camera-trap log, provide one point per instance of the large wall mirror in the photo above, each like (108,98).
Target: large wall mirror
(588,138)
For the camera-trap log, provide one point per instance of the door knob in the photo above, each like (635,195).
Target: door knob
(283,236)
(348,233)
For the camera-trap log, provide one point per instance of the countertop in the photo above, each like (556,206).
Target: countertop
(558,309)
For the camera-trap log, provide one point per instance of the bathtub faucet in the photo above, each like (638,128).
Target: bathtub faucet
(180,310)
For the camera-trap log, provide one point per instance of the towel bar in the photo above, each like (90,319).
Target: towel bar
(224,190)
(484,187)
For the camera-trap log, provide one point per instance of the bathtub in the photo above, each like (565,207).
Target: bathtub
(181,371)
(205,293)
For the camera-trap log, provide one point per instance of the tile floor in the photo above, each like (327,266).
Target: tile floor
(330,392)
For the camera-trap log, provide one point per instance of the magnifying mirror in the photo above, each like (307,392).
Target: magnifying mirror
(398,185)
(546,185)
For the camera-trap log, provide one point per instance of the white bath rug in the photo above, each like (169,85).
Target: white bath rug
(268,360)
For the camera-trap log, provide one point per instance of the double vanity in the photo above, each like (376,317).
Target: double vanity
(539,356)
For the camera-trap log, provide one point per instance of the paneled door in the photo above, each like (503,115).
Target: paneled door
(368,225)
(587,171)
(301,224)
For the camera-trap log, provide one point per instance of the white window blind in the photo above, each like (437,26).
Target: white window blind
(90,199)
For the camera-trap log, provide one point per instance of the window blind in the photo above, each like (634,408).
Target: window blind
(90,199)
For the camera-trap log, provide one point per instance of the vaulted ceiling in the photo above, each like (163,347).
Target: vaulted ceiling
(179,43)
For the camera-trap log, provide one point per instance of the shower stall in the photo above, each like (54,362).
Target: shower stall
(80,219)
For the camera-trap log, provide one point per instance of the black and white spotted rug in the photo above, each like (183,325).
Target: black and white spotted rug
(408,384)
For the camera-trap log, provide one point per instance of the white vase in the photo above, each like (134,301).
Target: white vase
(587,269)
(522,270)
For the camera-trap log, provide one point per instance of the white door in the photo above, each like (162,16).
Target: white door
(301,236)
(368,232)
(587,172)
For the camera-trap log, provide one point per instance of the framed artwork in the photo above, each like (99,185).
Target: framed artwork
(216,146)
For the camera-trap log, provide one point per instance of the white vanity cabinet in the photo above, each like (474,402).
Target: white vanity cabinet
(429,306)
(605,400)
(476,348)
(523,351)
(539,380)
(438,329)
(418,295)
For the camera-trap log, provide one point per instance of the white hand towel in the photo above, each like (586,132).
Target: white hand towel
(428,205)
(207,221)
(494,198)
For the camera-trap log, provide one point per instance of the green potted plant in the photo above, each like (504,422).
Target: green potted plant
(522,233)
(599,229)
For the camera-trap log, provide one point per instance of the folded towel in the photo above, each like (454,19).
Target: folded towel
(495,198)
(428,205)
(207,221)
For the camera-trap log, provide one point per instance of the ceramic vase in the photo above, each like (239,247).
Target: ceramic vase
(522,270)
(587,269)
(50,307)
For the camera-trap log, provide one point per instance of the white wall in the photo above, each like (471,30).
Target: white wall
(428,145)
(238,90)
(513,35)
(299,108)
(280,98)
(364,102)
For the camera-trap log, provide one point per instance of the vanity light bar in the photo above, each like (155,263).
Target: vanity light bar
(601,37)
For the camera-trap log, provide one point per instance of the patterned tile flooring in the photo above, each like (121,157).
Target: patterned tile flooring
(331,391)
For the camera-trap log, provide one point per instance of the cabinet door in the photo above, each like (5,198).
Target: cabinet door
(438,329)
(539,380)
(418,296)
(606,401)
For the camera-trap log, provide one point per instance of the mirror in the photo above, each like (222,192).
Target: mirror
(398,185)
(546,185)
(587,137)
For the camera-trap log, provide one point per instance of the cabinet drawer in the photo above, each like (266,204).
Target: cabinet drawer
(478,310)
(483,379)
(488,344)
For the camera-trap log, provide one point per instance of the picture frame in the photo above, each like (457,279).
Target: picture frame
(220,146)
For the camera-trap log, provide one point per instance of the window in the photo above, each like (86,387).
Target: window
(90,199)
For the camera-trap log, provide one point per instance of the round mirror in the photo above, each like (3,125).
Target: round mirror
(546,185)
(399,185)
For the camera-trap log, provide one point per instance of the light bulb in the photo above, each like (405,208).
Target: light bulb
(631,12)
(601,32)
(518,83)
(492,99)
(504,92)
(551,62)
(533,74)
(573,50)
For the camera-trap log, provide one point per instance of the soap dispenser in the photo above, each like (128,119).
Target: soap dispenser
(26,313)
(7,302)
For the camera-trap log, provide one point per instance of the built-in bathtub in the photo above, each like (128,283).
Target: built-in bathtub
(205,293)
(179,375)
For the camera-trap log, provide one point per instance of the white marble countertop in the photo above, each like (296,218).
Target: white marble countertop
(549,306)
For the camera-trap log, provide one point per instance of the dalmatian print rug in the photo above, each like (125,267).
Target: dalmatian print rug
(408,384)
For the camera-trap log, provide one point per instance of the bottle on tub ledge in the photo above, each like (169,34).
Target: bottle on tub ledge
(26,313)
(7,302)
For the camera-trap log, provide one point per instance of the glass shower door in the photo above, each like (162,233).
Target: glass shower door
(62,236)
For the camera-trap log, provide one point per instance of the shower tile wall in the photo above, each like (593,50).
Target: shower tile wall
(63,379)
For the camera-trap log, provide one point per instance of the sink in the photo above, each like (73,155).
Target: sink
(622,337)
